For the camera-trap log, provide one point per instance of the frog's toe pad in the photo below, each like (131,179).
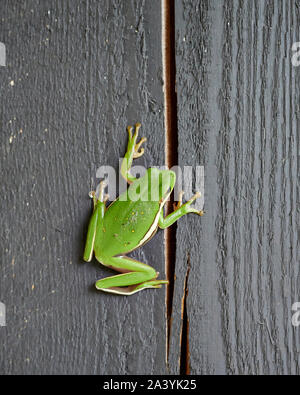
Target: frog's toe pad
(137,151)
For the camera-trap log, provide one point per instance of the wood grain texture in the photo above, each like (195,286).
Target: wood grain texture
(82,71)
(238,115)
(77,73)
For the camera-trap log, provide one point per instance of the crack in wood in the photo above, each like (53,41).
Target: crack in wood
(171,145)
(184,362)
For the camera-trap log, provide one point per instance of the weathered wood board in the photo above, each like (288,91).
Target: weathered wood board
(238,115)
(77,73)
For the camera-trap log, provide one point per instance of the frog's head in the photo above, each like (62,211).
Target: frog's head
(161,183)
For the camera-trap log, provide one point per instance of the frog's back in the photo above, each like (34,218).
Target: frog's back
(126,223)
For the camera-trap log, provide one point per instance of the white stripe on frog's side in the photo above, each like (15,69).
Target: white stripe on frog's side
(154,226)
(125,292)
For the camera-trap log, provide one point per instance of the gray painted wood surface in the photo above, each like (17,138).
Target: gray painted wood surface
(238,115)
(83,70)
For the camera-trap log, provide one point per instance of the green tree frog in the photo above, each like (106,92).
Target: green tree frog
(128,223)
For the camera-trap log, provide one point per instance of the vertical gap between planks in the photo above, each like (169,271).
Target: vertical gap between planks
(171,145)
(184,363)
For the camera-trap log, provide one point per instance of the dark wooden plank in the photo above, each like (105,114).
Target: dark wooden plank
(81,71)
(238,114)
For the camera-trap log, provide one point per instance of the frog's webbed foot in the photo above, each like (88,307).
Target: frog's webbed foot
(138,151)
(134,151)
(189,202)
(177,205)
(101,197)
(180,209)
(92,195)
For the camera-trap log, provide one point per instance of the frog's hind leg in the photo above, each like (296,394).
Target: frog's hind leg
(135,276)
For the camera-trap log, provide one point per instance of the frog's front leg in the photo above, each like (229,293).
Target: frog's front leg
(180,211)
(133,151)
(135,276)
(97,218)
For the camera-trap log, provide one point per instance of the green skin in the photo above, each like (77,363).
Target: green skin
(129,223)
